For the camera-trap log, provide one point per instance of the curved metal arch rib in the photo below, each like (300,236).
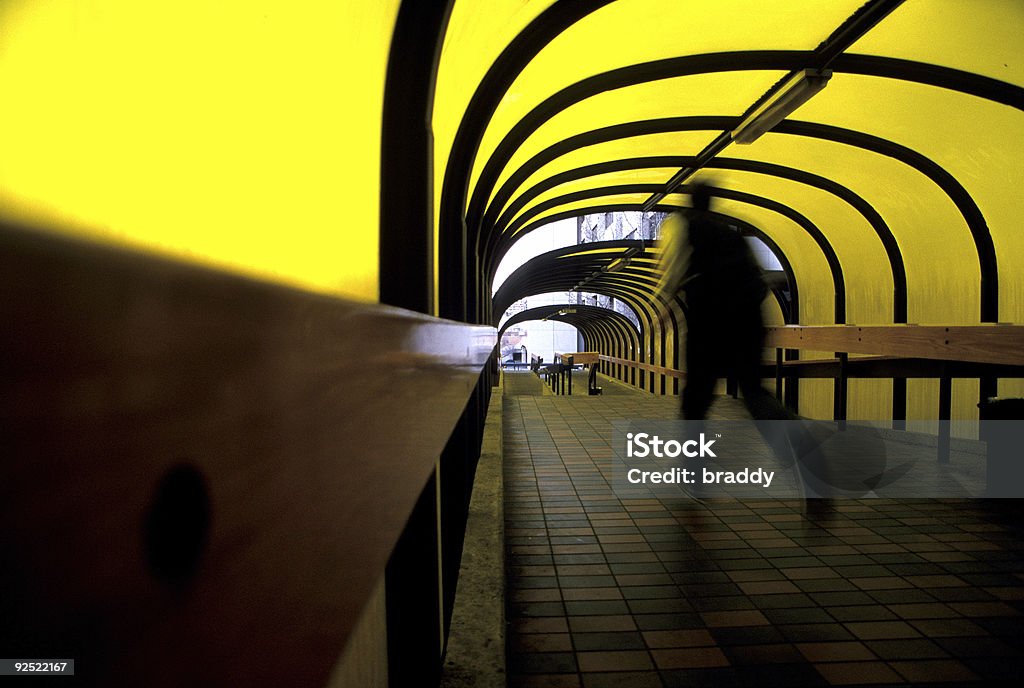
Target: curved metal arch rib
(584,317)
(952,79)
(831,258)
(857,202)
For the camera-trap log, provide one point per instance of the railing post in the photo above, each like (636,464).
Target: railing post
(792,383)
(778,374)
(899,403)
(413,589)
(945,413)
(841,389)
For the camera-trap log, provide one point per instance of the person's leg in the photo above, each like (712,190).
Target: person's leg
(761,404)
(696,400)
(700,383)
(768,412)
(746,344)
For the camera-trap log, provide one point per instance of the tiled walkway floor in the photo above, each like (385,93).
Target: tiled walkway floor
(637,593)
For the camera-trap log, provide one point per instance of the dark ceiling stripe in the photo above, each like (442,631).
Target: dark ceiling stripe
(602,135)
(565,215)
(532,284)
(792,307)
(932,75)
(989,311)
(519,284)
(607,81)
(573,197)
(942,77)
(501,249)
(622,289)
(454,283)
(572,175)
(966,205)
(855,26)
(539,279)
(851,30)
(871,216)
(560,270)
(787,268)
(406,246)
(835,268)
(585,313)
(867,211)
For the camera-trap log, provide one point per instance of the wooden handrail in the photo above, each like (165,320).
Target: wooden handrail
(671,372)
(301,429)
(1000,344)
(581,357)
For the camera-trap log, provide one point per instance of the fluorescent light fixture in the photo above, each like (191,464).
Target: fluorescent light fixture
(622,261)
(618,264)
(794,93)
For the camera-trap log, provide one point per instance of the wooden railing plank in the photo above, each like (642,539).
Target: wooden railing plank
(1002,344)
(671,372)
(313,424)
(581,357)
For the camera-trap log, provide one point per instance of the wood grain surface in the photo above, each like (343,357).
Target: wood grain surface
(311,423)
(1003,344)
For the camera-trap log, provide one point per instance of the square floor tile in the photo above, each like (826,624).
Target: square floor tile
(881,630)
(689,658)
(624,660)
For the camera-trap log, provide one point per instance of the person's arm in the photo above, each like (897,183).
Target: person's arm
(675,258)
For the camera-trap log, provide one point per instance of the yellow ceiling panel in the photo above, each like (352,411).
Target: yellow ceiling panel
(593,251)
(979,36)
(866,270)
(979,142)
(634,31)
(925,222)
(616,200)
(673,143)
(472,41)
(726,93)
(814,281)
(652,175)
(942,124)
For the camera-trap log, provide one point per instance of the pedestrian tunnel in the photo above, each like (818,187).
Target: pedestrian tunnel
(248,253)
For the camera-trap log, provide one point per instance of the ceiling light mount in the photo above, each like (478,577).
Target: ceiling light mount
(796,91)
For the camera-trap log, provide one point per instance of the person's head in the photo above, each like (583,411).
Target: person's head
(700,196)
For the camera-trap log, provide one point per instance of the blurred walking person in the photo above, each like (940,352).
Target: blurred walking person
(712,268)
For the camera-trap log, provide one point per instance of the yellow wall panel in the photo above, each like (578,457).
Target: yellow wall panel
(476,34)
(939,254)
(234,133)
(869,400)
(868,279)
